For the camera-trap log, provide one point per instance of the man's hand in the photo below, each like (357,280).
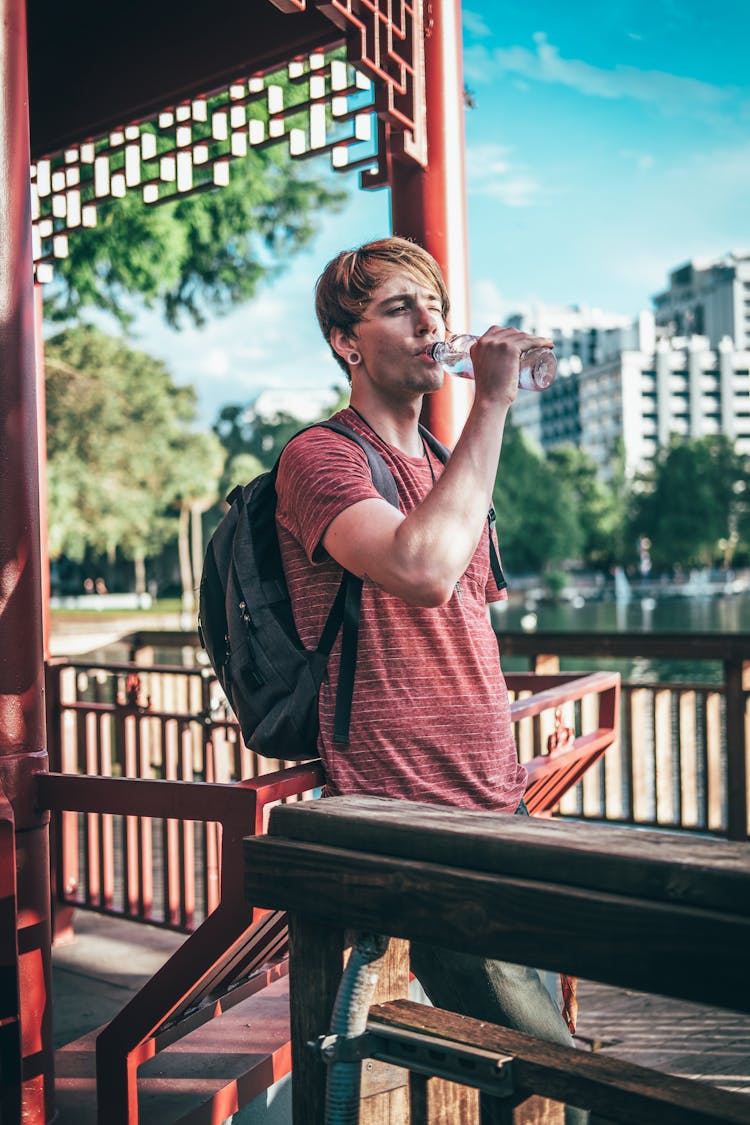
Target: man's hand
(496,358)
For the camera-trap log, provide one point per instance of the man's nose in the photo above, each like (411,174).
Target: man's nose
(427,319)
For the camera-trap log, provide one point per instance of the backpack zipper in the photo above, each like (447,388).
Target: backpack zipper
(247,621)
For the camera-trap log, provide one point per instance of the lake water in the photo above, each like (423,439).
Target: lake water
(642,613)
(647,614)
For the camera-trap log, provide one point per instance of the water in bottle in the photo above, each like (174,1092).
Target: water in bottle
(537,370)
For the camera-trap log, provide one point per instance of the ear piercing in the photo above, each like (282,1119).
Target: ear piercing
(353,359)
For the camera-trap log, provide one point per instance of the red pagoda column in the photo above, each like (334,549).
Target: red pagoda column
(22,718)
(429,204)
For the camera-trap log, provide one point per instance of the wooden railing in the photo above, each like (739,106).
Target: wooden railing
(168,723)
(655,912)
(681,758)
(681,761)
(159,722)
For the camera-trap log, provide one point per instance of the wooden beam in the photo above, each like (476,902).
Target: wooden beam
(95,66)
(651,911)
(666,867)
(611,1087)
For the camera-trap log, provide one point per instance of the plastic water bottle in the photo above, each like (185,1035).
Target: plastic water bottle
(537,370)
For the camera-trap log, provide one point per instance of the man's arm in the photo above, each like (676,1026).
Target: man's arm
(420,557)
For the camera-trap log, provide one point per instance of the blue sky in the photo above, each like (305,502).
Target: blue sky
(608,144)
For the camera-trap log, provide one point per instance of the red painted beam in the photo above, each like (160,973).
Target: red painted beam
(429,204)
(22,718)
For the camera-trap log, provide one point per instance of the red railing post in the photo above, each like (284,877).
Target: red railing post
(429,204)
(64,829)
(22,733)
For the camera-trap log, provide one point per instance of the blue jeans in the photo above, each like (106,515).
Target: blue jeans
(494,991)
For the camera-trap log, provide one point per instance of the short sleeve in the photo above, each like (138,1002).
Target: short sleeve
(321,474)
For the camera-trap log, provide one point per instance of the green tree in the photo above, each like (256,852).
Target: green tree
(245,433)
(691,501)
(122,452)
(537,522)
(197,254)
(598,511)
(242,430)
(195,473)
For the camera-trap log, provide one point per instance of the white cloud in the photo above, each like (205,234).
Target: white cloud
(475,24)
(670,92)
(642,160)
(488,305)
(216,363)
(490,172)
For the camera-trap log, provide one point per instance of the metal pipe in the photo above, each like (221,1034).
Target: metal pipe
(22,718)
(349,1020)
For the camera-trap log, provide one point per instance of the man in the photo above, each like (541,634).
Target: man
(430,713)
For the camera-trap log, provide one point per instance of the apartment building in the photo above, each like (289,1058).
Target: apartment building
(683,387)
(583,339)
(634,383)
(708,298)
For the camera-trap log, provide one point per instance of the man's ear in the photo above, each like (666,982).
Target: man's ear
(342,343)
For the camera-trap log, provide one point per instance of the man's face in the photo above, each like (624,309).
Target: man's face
(401,323)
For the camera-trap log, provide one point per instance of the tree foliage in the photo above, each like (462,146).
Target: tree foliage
(253,441)
(197,254)
(596,507)
(693,499)
(122,453)
(537,521)
(244,432)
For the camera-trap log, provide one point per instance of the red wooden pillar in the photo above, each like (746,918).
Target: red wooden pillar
(22,720)
(429,204)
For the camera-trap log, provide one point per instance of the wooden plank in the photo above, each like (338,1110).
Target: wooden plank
(685,952)
(383,1092)
(203,1078)
(691,646)
(664,866)
(688,742)
(736,765)
(592,779)
(715,776)
(434,1101)
(614,807)
(665,808)
(617,1090)
(639,701)
(315,966)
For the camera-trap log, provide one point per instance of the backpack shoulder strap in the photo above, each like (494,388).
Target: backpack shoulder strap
(345,611)
(382,477)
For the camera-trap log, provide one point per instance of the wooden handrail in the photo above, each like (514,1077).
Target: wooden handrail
(645,910)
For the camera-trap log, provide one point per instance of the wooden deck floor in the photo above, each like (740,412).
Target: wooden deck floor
(95,976)
(688,1040)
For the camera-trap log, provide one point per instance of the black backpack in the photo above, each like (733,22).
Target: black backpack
(246,624)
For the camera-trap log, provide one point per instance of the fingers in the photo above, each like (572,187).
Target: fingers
(495,358)
(515,338)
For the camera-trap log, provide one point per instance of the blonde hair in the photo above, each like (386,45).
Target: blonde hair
(345,287)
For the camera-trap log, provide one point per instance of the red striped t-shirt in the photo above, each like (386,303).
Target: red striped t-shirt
(430,712)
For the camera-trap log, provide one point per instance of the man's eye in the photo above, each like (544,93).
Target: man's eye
(398,308)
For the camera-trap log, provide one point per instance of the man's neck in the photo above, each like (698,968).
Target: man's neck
(396,423)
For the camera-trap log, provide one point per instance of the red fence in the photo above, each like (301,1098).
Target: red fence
(168,723)
(682,759)
(157,723)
